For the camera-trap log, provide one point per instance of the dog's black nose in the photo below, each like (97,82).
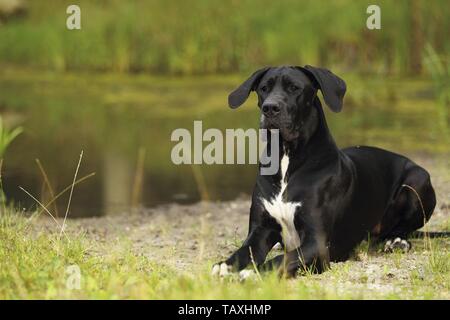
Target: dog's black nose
(270,109)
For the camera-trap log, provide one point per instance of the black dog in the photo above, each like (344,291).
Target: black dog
(323,201)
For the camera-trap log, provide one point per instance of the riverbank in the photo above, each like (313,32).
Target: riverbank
(167,252)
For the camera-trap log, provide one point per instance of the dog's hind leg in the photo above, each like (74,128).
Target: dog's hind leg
(410,210)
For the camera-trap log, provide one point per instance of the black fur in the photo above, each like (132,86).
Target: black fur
(346,194)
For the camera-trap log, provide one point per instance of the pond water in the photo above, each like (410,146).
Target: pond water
(123,126)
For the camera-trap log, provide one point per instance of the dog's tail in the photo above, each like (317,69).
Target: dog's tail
(432,234)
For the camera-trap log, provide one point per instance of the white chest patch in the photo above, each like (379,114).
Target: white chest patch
(284,212)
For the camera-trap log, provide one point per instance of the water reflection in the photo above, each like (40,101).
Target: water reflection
(124,127)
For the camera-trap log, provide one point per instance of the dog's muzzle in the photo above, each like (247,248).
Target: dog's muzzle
(271,110)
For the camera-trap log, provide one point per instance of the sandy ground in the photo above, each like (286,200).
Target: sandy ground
(185,236)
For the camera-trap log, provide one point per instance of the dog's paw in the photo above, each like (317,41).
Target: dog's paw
(221,270)
(397,244)
(247,274)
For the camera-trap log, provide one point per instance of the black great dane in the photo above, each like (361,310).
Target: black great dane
(323,201)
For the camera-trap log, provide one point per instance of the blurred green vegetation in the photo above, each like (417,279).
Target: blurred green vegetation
(139,69)
(6,137)
(440,74)
(204,36)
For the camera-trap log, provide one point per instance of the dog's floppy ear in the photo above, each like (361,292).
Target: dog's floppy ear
(240,95)
(332,87)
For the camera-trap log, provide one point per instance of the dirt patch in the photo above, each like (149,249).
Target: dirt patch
(185,236)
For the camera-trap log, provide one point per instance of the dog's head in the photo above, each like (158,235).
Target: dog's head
(286,96)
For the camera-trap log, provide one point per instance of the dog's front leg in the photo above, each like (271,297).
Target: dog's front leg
(259,242)
(306,259)
(310,256)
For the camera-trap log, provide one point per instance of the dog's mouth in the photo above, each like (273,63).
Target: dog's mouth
(287,130)
(270,126)
(268,123)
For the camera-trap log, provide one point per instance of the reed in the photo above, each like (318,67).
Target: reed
(192,37)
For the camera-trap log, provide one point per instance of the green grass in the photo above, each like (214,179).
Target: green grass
(201,36)
(34,262)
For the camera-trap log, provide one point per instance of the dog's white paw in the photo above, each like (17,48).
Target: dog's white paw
(247,274)
(215,270)
(397,243)
(221,270)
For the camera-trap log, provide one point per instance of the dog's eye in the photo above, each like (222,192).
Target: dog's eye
(293,88)
(264,88)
